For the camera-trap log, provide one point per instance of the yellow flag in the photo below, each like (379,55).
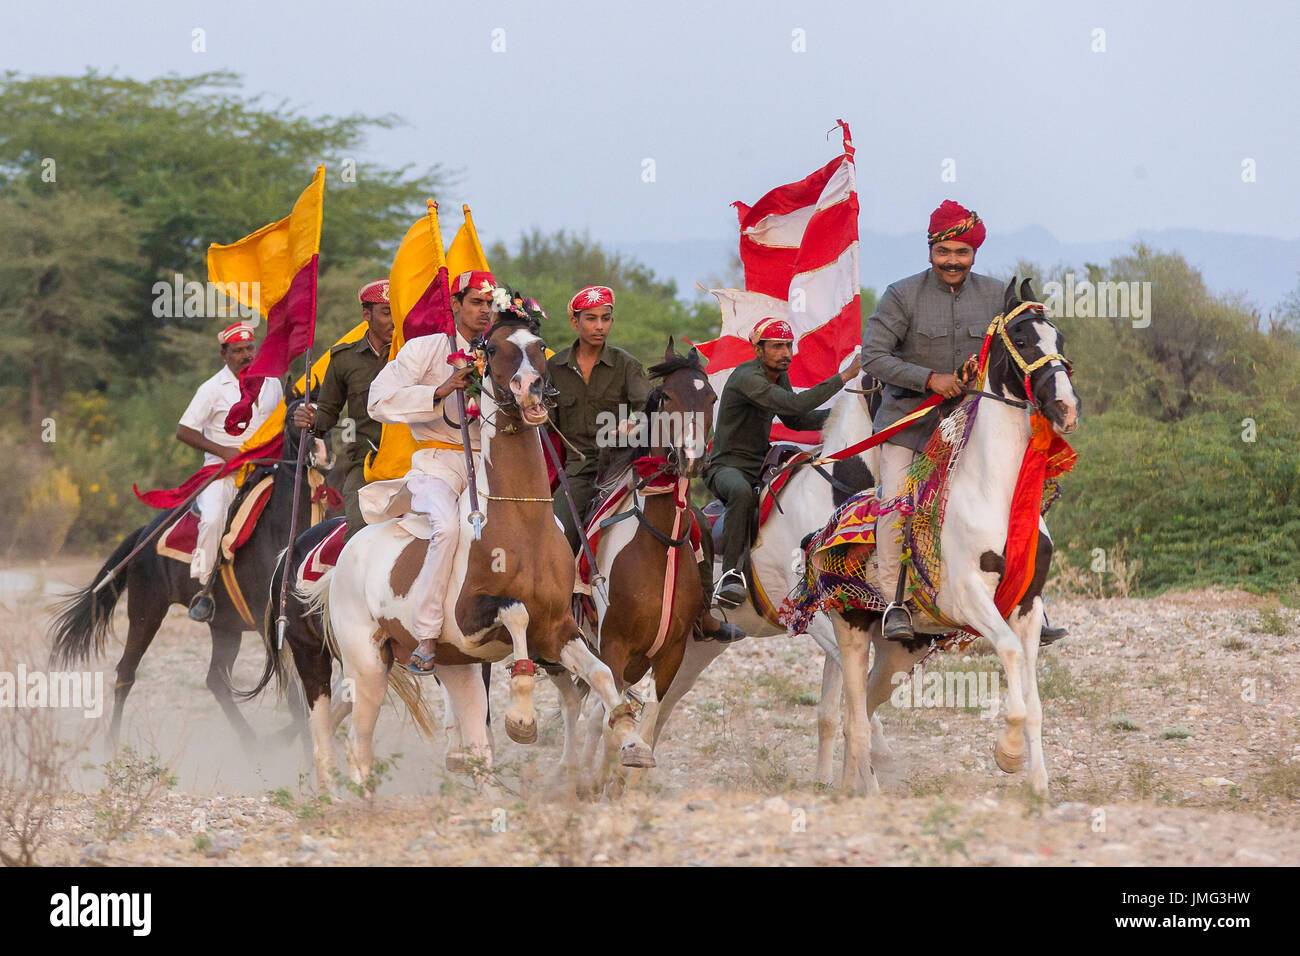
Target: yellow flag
(466,253)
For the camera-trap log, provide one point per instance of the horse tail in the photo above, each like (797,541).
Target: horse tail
(274,669)
(404,684)
(84,619)
(315,597)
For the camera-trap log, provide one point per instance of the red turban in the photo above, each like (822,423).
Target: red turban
(239,332)
(473,280)
(374,292)
(592,297)
(773,330)
(954,222)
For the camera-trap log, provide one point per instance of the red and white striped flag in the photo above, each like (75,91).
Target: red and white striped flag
(799,248)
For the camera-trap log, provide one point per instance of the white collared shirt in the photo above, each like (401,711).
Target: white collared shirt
(206,412)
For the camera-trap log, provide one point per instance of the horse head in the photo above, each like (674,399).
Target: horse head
(1027,360)
(680,410)
(516,376)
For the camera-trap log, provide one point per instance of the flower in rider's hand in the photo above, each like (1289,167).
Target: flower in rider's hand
(460,358)
(471,409)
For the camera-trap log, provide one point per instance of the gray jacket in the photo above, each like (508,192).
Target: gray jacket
(920,327)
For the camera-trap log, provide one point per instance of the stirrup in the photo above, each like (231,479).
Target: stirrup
(715,597)
(899,634)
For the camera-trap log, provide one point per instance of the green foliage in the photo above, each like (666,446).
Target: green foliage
(551,268)
(1196,502)
(147,174)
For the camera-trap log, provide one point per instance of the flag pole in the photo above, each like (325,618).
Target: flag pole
(282,620)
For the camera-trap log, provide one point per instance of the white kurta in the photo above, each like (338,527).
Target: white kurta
(206,414)
(403,393)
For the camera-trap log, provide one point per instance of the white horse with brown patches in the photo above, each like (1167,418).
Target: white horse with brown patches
(510,592)
(1026,368)
(806,503)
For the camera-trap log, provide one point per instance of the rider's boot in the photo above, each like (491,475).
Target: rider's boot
(1050,635)
(707,626)
(897,622)
(731,591)
(202,606)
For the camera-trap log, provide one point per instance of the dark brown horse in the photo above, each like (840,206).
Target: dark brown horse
(154,583)
(646,552)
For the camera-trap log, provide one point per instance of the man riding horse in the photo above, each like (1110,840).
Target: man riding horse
(412,389)
(353,367)
(203,426)
(593,380)
(756,392)
(919,339)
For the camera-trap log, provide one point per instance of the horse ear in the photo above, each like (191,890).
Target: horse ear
(670,351)
(1009,299)
(695,358)
(1027,291)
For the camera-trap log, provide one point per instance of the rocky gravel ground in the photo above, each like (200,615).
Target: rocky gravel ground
(1170,732)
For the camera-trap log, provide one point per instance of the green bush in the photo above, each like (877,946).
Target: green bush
(1191,500)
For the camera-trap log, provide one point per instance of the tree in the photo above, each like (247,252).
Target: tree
(551,268)
(63,258)
(199,163)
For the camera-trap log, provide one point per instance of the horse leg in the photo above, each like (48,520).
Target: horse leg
(315,668)
(982,614)
(696,656)
(1028,627)
(892,657)
(365,668)
(828,713)
(225,648)
(146,608)
(467,697)
(854,643)
(570,702)
(521,719)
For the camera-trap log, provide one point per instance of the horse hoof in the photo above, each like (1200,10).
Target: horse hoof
(457,763)
(521,732)
(637,755)
(1006,762)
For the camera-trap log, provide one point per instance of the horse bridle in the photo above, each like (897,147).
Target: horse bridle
(999,327)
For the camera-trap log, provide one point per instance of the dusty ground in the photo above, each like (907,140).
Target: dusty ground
(1170,731)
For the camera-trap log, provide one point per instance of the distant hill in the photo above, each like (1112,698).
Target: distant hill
(1263,268)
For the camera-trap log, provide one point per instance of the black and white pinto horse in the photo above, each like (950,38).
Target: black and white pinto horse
(973,547)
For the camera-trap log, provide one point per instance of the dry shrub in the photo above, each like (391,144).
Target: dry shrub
(34,765)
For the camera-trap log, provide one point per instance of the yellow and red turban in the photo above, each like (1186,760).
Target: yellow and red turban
(592,297)
(953,222)
(374,292)
(238,332)
(771,330)
(473,280)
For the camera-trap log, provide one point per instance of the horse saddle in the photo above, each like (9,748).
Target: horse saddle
(181,538)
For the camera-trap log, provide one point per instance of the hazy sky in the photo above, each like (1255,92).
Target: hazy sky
(553,132)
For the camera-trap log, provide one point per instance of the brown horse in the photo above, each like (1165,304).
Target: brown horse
(645,551)
(510,590)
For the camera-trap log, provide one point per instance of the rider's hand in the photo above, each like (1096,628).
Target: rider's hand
(304,416)
(850,373)
(947,385)
(457,379)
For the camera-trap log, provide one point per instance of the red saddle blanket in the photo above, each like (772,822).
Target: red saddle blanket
(322,557)
(179,540)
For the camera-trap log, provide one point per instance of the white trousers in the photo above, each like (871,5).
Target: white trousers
(435,484)
(214,502)
(894,462)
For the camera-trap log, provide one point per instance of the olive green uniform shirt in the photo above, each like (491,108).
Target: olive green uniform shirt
(616,379)
(750,400)
(353,366)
